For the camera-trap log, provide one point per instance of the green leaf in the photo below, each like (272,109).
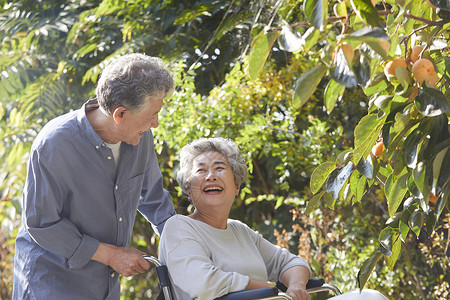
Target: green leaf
(228,24)
(396,248)
(306,85)
(311,36)
(333,93)
(377,84)
(397,193)
(416,222)
(444,175)
(360,189)
(376,38)
(337,178)
(403,76)
(366,12)
(383,101)
(320,175)
(386,238)
(340,9)
(342,72)
(344,156)
(412,144)
(431,102)
(419,176)
(329,200)
(404,230)
(261,47)
(366,134)
(312,203)
(437,166)
(361,69)
(316,12)
(366,269)
(365,167)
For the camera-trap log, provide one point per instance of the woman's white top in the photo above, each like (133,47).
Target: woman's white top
(205,262)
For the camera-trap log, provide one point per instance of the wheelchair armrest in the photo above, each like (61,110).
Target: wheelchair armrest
(268,292)
(253,294)
(312,283)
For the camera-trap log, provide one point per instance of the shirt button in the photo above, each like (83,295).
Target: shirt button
(112,274)
(109,157)
(96,147)
(117,187)
(120,219)
(103,144)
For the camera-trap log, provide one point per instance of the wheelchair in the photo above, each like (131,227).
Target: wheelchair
(272,293)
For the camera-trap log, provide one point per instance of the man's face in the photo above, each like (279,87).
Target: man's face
(134,124)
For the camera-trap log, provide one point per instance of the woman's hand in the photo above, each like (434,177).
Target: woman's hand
(298,293)
(295,279)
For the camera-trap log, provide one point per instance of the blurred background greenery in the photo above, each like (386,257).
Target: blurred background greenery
(53,51)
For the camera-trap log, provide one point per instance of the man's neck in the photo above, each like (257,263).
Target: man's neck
(103,124)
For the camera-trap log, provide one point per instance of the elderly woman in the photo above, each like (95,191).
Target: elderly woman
(209,255)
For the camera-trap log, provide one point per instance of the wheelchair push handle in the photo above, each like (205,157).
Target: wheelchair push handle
(163,276)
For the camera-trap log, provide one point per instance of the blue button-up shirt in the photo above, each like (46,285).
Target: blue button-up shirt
(74,198)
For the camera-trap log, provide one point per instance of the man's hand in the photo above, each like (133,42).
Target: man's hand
(126,261)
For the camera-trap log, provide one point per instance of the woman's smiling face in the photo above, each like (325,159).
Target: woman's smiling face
(212,181)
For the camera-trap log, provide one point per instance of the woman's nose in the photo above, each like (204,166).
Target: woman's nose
(211,176)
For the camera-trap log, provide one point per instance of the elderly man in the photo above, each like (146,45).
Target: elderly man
(89,172)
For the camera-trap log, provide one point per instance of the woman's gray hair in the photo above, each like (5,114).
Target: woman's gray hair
(130,80)
(221,145)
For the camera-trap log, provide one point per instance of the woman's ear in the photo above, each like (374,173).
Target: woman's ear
(119,114)
(239,188)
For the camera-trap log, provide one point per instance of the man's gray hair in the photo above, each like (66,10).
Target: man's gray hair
(221,145)
(130,80)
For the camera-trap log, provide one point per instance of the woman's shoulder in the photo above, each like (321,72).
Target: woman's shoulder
(240,227)
(177,221)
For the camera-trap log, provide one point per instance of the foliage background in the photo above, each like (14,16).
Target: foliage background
(237,73)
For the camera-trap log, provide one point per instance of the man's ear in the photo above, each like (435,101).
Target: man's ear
(119,114)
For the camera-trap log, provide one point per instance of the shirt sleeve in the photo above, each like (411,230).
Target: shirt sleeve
(155,202)
(191,268)
(43,203)
(277,259)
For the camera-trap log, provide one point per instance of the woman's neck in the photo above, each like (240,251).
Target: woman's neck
(218,221)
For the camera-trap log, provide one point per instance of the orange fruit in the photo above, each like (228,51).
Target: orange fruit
(389,68)
(415,51)
(377,149)
(422,70)
(434,79)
